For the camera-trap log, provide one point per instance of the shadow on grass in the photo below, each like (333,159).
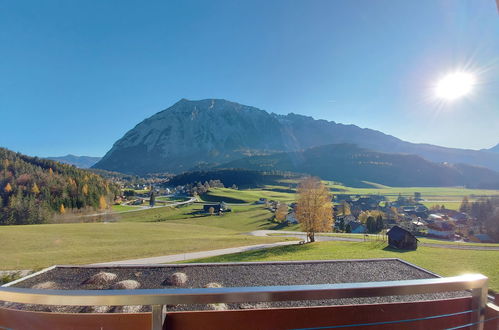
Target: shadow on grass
(258,254)
(391,249)
(216,198)
(278,226)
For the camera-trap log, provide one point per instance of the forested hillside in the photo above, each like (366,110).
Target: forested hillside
(32,190)
(352,165)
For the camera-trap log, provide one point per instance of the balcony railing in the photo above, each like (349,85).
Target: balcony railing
(158,298)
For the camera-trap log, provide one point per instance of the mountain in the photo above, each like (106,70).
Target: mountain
(33,190)
(202,134)
(78,161)
(352,165)
(494,149)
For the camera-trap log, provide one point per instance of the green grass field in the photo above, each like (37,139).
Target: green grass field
(147,233)
(247,196)
(123,208)
(445,262)
(451,197)
(374,237)
(168,230)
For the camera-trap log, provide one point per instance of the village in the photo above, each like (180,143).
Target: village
(369,214)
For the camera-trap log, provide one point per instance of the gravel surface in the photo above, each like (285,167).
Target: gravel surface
(247,274)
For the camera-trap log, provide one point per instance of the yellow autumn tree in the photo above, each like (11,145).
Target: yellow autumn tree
(51,172)
(35,190)
(281,212)
(314,210)
(62,209)
(84,189)
(7,188)
(102,203)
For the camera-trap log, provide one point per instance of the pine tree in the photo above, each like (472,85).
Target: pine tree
(379,223)
(465,205)
(152,199)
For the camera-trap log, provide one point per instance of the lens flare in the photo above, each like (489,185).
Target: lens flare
(455,85)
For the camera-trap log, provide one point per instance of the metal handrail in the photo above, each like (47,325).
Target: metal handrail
(477,283)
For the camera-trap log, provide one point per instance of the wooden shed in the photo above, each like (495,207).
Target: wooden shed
(400,238)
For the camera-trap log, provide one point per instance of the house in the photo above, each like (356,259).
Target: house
(356,227)
(291,217)
(441,230)
(217,208)
(365,203)
(400,238)
(482,238)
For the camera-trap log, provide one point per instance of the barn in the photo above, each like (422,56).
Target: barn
(400,238)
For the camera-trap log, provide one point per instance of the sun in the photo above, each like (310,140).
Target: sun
(455,85)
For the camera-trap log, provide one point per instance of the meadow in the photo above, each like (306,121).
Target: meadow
(170,230)
(147,233)
(451,197)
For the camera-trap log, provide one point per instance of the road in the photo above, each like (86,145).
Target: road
(322,238)
(262,233)
(194,255)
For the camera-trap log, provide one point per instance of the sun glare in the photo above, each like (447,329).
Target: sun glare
(455,85)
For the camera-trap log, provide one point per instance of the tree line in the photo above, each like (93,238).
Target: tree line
(33,190)
(485,211)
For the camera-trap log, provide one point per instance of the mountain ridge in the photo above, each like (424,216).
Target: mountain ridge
(206,133)
(78,161)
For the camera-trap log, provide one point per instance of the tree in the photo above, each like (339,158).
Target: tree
(348,228)
(314,207)
(84,189)
(211,210)
(152,199)
(345,207)
(371,224)
(465,206)
(379,223)
(7,188)
(102,203)
(62,210)
(281,212)
(35,190)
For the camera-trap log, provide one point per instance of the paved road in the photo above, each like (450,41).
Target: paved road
(321,238)
(194,255)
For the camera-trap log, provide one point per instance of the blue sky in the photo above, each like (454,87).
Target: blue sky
(76,75)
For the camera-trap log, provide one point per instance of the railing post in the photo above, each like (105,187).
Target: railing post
(157,317)
(478,304)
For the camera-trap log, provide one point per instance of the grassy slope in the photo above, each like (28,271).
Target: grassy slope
(148,233)
(246,196)
(437,260)
(159,231)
